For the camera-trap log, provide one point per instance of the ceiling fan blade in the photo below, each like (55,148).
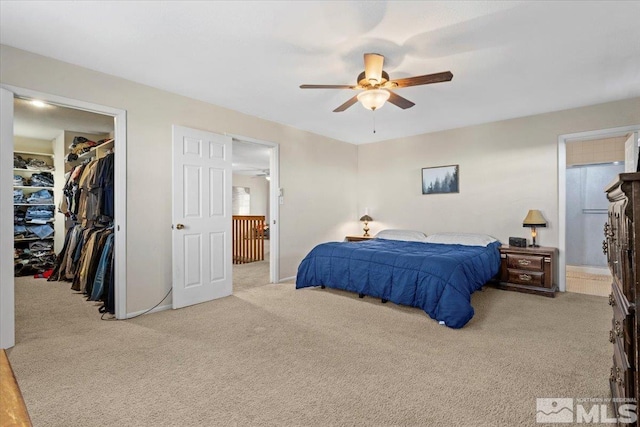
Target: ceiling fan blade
(373,63)
(421,80)
(327,87)
(399,101)
(346,105)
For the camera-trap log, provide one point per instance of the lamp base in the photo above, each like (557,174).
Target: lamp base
(534,246)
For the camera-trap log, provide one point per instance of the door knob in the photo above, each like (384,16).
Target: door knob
(180,226)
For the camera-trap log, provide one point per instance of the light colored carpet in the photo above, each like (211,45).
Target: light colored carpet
(276,356)
(247,276)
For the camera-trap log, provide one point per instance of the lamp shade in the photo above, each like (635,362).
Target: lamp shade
(373,99)
(534,219)
(366,218)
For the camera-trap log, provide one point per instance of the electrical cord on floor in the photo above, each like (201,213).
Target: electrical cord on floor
(138,315)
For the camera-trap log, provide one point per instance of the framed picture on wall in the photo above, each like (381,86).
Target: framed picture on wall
(441,179)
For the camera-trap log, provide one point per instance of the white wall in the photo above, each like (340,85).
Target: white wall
(259,192)
(311,213)
(21,143)
(506,168)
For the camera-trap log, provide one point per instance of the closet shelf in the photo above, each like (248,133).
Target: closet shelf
(87,155)
(99,150)
(32,170)
(31,239)
(34,204)
(31,187)
(33,153)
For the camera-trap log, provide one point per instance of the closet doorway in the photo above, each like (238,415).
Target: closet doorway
(255,198)
(587,163)
(72,122)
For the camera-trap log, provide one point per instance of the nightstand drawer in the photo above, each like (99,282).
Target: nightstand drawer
(525,262)
(534,278)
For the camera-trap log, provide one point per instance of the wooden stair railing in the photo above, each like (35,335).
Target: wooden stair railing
(248,238)
(13,411)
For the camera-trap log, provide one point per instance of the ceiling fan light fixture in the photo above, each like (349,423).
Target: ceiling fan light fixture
(373,99)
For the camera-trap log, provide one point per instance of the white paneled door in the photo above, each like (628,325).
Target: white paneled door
(202,269)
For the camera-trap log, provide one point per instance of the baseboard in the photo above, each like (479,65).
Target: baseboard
(286,279)
(602,271)
(159,308)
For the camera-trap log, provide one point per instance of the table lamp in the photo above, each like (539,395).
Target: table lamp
(534,219)
(366,219)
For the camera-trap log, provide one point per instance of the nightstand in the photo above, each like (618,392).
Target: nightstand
(357,238)
(530,270)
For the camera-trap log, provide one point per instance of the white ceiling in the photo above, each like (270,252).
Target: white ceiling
(250,158)
(509,59)
(48,121)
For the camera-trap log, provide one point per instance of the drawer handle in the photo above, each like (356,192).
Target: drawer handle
(614,375)
(608,230)
(612,338)
(618,329)
(524,262)
(605,247)
(612,300)
(525,277)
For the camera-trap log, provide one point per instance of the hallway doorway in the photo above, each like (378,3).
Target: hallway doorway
(587,163)
(255,201)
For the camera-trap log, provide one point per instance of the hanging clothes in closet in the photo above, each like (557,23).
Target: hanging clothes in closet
(86,259)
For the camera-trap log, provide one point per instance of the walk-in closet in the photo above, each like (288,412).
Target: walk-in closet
(63,195)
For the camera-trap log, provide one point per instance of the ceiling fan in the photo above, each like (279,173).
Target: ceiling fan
(375,85)
(254,172)
(263,173)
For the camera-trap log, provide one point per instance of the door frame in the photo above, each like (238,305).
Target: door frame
(274,203)
(7,305)
(120,203)
(562,187)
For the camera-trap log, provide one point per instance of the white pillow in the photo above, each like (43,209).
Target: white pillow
(406,235)
(467,239)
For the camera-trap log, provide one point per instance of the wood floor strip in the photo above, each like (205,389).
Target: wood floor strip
(13,411)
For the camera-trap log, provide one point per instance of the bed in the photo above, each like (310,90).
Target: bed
(437,274)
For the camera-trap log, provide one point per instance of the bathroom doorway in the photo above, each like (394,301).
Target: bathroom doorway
(591,165)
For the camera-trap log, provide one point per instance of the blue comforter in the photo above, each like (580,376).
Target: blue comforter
(435,277)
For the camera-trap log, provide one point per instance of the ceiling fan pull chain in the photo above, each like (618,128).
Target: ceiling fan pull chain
(374,121)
